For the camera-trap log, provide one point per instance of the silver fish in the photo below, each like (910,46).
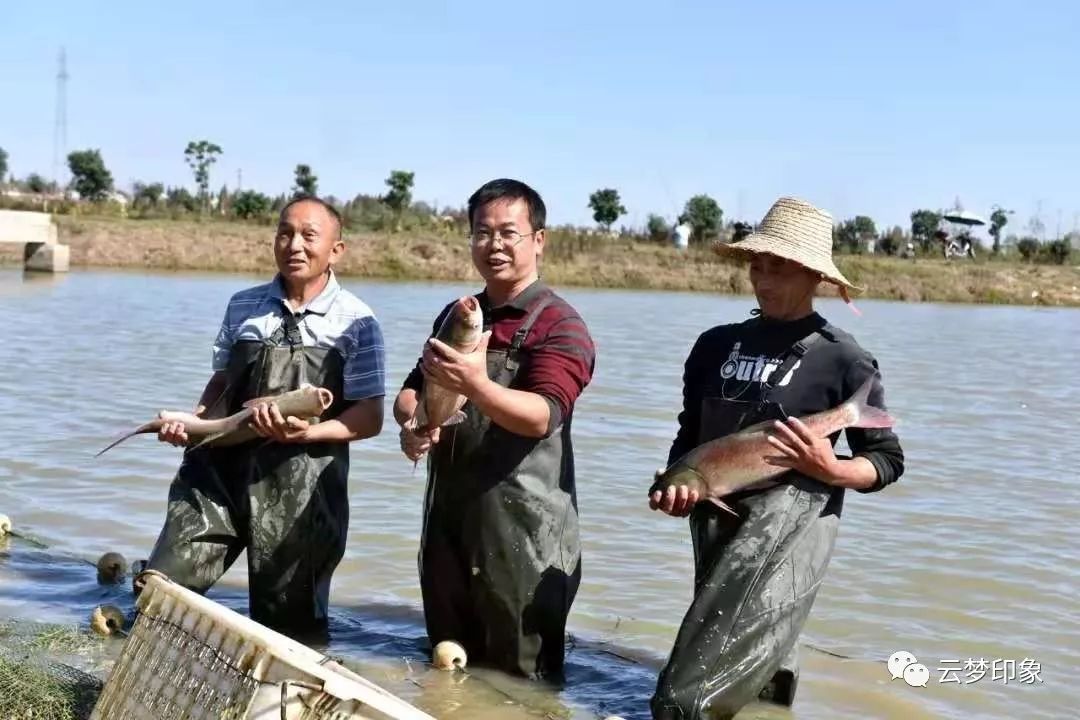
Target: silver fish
(737,461)
(306,402)
(436,406)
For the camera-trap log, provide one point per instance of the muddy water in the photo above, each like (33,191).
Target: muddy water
(973,555)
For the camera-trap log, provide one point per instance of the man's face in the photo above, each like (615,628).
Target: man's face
(780,285)
(499,255)
(307,243)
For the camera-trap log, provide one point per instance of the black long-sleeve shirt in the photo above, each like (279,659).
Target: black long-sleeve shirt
(830,372)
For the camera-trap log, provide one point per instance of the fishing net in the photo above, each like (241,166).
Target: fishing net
(189,657)
(39,679)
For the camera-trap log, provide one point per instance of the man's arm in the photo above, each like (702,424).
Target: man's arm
(405,405)
(364,388)
(520,412)
(175,433)
(558,368)
(363,419)
(877,458)
(876,451)
(679,501)
(689,418)
(214,388)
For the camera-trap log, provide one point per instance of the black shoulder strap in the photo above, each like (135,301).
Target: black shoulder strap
(793,355)
(289,330)
(518,340)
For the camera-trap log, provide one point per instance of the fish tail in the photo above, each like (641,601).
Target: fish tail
(145,428)
(866,415)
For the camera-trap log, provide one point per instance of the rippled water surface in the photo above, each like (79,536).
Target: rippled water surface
(975,553)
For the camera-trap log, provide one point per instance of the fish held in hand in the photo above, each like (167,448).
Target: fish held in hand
(306,402)
(737,461)
(436,406)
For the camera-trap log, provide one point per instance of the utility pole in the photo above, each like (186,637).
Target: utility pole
(60,119)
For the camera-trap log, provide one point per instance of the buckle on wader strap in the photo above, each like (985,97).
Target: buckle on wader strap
(520,334)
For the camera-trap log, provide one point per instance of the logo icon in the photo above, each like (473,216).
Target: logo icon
(903,664)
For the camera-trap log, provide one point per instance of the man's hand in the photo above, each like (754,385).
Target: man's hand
(267,421)
(414,445)
(675,501)
(457,372)
(175,433)
(799,450)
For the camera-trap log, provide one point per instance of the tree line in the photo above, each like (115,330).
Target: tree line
(395,210)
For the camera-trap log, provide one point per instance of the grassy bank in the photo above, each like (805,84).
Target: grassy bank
(584,261)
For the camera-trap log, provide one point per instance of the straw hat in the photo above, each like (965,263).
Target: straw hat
(795,230)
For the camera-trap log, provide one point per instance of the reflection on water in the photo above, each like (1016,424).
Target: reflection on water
(973,554)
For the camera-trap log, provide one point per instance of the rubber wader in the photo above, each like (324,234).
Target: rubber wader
(500,559)
(285,503)
(755,578)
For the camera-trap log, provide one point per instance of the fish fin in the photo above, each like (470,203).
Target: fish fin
(208,439)
(420,417)
(456,418)
(866,415)
(722,505)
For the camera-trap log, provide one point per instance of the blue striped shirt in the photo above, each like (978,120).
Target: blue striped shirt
(334,319)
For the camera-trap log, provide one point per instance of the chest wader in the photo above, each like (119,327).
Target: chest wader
(500,557)
(755,579)
(285,503)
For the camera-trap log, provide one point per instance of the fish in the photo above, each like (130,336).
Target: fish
(736,462)
(436,406)
(307,402)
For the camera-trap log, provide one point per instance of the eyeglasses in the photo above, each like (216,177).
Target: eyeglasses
(506,237)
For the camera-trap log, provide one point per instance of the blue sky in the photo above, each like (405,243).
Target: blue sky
(860,107)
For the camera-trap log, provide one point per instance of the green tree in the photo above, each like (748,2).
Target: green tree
(924,224)
(306,182)
(606,207)
(249,204)
(1058,251)
(181,199)
(657,228)
(400,195)
(998,219)
(200,156)
(89,176)
(147,195)
(851,235)
(1028,247)
(891,242)
(3,165)
(35,183)
(704,216)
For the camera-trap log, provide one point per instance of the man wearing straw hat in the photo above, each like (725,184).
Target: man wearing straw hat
(757,571)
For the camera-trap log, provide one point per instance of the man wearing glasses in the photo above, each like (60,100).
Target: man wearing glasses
(500,557)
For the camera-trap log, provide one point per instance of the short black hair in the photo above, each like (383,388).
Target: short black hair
(318,201)
(507,189)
